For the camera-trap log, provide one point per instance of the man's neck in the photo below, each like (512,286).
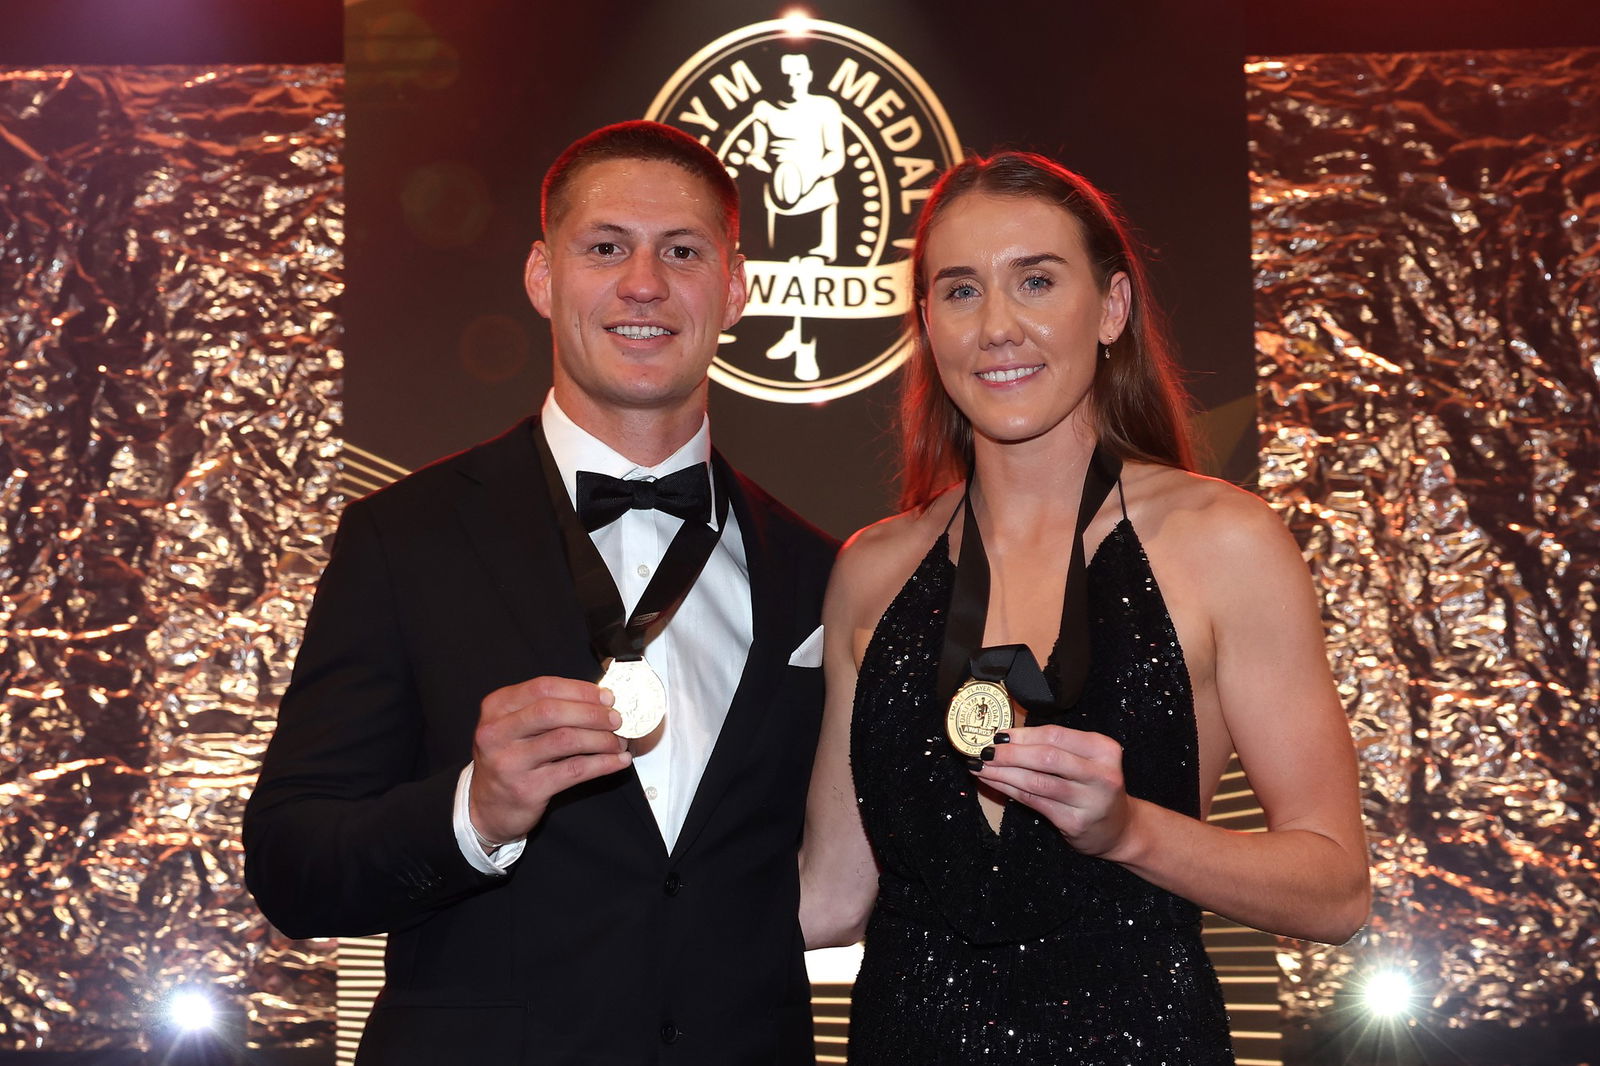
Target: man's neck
(646,436)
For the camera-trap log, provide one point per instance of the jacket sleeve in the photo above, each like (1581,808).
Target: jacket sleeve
(345,834)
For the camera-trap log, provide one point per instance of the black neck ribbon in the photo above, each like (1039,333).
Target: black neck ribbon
(1014,664)
(613,633)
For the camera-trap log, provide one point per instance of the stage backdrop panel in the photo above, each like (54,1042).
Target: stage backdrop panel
(169,297)
(455,116)
(1427,248)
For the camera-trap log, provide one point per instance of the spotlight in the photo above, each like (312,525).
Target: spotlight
(197,1026)
(191,1011)
(796,22)
(1388,993)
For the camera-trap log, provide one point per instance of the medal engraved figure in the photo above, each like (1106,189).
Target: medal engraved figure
(977,711)
(446,768)
(638,697)
(1039,901)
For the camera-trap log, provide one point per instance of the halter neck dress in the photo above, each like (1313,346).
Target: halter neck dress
(1012,947)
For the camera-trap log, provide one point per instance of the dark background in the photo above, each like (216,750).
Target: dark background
(455,109)
(454,117)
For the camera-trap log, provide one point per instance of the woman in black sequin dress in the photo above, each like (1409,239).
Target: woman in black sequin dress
(1041,903)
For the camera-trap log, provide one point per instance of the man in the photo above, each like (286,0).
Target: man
(445,768)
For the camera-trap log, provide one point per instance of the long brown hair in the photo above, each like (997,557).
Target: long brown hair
(1141,409)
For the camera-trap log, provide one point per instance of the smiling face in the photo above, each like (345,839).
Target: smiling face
(1015,316)
(638,279)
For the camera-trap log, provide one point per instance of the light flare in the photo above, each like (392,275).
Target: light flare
(191,1010)
(1389,993)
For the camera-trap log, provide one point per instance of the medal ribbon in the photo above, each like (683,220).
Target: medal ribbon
(613,633)
(1014,664)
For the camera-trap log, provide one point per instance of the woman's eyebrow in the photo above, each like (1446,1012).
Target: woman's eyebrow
(1034,260)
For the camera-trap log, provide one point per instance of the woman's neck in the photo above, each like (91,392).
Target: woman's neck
(1028,487)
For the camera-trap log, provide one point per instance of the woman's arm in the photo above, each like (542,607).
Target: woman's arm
(838,874)
(1307,875)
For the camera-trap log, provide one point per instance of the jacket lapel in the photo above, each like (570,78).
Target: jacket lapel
(506,514)
(771,598)
(509,524)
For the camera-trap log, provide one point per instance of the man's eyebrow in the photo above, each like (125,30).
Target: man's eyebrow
(625,231)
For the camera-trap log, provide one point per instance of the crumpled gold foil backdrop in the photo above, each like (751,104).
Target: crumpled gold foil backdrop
(170,278)
(1427,258)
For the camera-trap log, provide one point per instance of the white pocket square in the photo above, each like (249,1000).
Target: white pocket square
(809,653)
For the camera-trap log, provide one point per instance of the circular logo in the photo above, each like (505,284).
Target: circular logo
(834,142)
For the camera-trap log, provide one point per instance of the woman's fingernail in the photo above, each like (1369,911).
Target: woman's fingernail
(974,764)
(1002,738)
(987,754)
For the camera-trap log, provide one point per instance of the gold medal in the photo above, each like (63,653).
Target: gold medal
(641,697)
(977,711)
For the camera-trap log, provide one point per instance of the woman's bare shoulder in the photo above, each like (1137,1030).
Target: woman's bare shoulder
(1208,521)
(877,559)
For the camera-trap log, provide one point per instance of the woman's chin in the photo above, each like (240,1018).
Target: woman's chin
(1023,430)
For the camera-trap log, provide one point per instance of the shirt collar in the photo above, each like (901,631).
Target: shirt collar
(575,448)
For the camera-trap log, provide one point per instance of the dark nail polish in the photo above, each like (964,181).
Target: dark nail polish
(987,754)
(1002,738)
(974,764)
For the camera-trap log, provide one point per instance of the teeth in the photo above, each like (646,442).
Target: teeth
(639,333)
(1015,373)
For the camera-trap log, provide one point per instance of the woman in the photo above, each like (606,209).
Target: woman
(1035,895)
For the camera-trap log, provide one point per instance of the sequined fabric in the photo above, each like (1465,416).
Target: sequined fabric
(1012,947)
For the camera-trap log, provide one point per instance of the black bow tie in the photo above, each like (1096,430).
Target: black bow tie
(602,499)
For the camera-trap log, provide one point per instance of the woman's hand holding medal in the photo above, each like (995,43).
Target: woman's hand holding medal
(533,740)
(1071,777)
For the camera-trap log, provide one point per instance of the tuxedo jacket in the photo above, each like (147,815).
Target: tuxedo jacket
(600,946)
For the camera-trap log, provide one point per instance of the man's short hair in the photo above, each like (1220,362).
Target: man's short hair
(638,139)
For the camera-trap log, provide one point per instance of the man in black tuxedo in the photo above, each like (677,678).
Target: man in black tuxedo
(445,768)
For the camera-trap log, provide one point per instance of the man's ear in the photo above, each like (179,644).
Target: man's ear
(737,294)
(536,278)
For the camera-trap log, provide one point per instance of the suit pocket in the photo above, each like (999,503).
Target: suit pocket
(802,690)
(402,1035)
(782,1037)
(800,703)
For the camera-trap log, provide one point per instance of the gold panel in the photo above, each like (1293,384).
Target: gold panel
(1427,256)
(171,271)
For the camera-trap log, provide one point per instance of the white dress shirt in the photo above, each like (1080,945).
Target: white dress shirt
(699,654)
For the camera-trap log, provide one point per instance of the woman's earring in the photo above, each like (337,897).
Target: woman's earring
(1105,351)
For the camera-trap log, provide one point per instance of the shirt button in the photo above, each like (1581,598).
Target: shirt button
(672,884)
(651,792)
(643,571)
(669,1033)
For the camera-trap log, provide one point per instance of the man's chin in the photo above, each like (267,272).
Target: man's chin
(644,395)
